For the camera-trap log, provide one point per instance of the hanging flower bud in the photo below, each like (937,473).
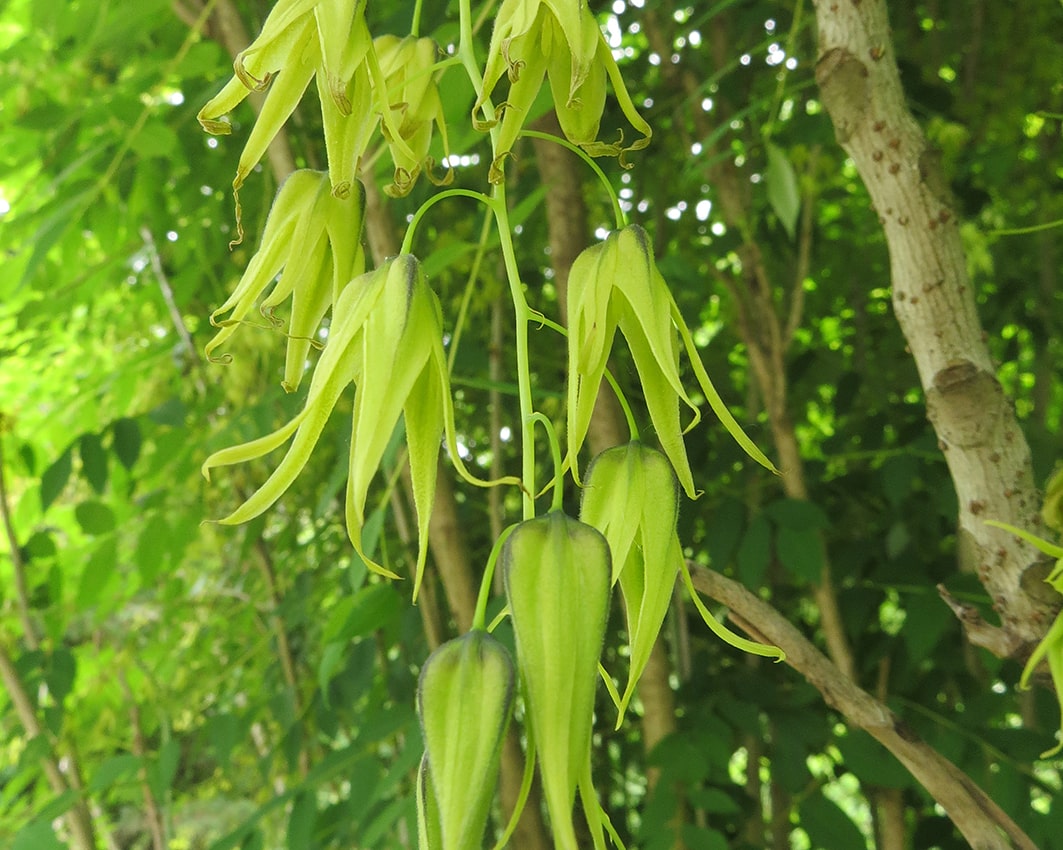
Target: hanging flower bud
(464,701)
(631,495)
(556,573)
(313,241)
(413,97)
(561,39)
(615,285)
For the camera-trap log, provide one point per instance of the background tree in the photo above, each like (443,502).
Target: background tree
(168,683)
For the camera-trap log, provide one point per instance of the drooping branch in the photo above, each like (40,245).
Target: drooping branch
(978,818)
(987,454)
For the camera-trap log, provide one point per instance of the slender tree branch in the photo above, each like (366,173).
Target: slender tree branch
(22,596)
(152,812)
(978,818)
(78,818)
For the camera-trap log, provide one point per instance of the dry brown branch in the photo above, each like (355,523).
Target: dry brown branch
(978,818)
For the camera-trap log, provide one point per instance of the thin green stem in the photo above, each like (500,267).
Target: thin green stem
(618,212)
(522,313)
(463,309)
(555,450)
(480,614)
(632,428)
(1022,231)
(620,397)
(415,24)
(407,240)
(522,317)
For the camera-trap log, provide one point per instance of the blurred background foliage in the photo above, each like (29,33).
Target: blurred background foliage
(252,687)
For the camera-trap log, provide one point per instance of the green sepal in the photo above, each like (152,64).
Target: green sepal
(719,629)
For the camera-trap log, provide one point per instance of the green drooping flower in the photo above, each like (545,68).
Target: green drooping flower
(631,495)
(312,239)
(561,40)
(301,39)
(556,573)
(386,338)
(413,95)
(616,285)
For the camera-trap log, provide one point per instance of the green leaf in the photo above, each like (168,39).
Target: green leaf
(37,836)
(714,801)
(331,661)
(302,820)
(926,622)
(126,441)
(783,193)
(703,838)
(112,770)
(801,552)
(54,479)
(61,673)
(828,826)
(754,552)
(93,461)
(97,574)
(161,774)
(797,514)
(372,607)
(870,762)
(155,140)
(154,546)
(724,531)
(94,517)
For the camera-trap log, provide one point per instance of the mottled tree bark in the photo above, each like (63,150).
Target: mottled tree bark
(987,454)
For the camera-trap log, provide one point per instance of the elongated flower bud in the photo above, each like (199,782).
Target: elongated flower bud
(556,572)
(631,495)
(464,700)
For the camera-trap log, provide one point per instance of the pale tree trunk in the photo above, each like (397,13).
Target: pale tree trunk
(987,454)
(566,215)
(451,560)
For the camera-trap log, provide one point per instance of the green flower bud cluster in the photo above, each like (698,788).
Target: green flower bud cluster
(385,337)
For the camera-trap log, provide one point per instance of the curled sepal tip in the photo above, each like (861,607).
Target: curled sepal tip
(721,631)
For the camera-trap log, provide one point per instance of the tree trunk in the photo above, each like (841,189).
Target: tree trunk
(987,454)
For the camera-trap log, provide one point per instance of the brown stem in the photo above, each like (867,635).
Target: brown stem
(280,635)
(978,818)
(22,595)
(79,819)
(151,805)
